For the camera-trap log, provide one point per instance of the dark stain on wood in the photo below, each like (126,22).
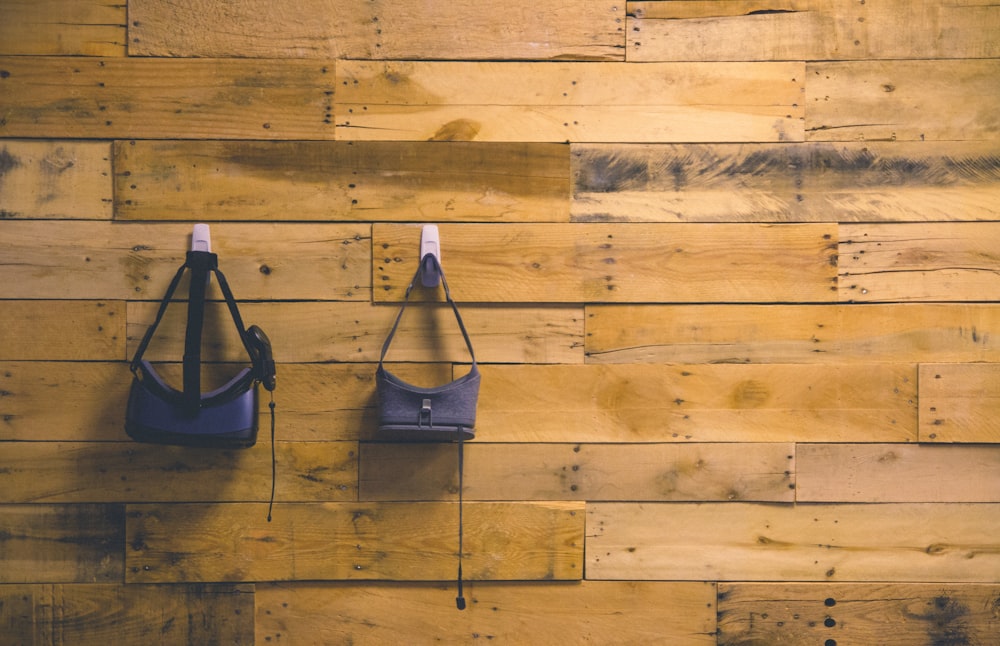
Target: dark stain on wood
(8,162)
(612,173)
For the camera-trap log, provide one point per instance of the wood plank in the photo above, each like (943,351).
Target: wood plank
(381,29)
(55,179)
(62,543)
(919,262)
(98,614)
(899,542)
(518,613)
(309,180)
(897,473)
(354,332)
(960,403)
(104,260)
(127,471)
(62,27)
(862,402)
(866,333)
(809,182)
(122,98)
(41,330)
(609,263)
(612,102)
(902,100)
(855,613)
(353,541)
(591,472)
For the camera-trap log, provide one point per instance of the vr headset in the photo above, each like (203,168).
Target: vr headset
(225,417)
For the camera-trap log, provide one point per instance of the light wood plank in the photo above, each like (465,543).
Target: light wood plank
(357,541)
(306,180)
(875,333)
(62,27)
(104,260)
(921,542)
(610,263)
(960,403)
(613,102)
(862,402)
(897,473)
(155,98)
(889,614)
(55,180)
(919,262)
(811,182)
(592,472)
(62,543)
(603,612)
(41,330)
(902,100)
(99,614)
(380,29)
(355,332)
(126,471)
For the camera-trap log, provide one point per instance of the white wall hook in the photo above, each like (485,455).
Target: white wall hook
(201,238)
(430,245)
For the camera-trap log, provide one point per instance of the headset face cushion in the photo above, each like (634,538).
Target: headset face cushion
(412,413)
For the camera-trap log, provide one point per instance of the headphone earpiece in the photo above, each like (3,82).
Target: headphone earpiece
(263,359)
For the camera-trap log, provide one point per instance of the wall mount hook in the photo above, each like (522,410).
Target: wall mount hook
(201,240)
(430,246)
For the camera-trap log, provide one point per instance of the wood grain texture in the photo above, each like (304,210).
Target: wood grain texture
(104,260)
(810,182)
(920,262)
(897,473)
(104,98)
(876,333)
(353,541)
(595,102)
(43,330)
(599,611)
(902,100)
(907,542)
(607,263)
(309,180)
(55,180)
(62,543)
(857,613)
(98,614)
(960,403)
(591,472)
(381,29)
(309,332)
(62,27)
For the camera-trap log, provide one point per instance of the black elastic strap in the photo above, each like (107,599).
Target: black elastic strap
(200,263)
(460,599)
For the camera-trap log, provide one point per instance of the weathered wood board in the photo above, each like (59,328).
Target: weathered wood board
(102,613)
(590,472)
(902,100)
(863,333)
(310,180)
(62,330)
(105,260)
(877,473)
(960,403)
(341,541)
(63,27)
(576,102)
(809,182)
(573,263)
(920,262)
(312,332)
(889,614)
(606,612)
(906,542)
(62,543)
(123,98)
(380,29)
(54,180)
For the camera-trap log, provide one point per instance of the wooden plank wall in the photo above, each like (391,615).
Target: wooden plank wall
(731,268)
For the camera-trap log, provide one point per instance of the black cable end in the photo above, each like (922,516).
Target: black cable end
(460,603)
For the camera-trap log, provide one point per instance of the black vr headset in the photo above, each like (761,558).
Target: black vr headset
(225,417)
